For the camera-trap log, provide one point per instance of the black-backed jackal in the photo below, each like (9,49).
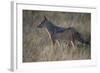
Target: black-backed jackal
(56,33)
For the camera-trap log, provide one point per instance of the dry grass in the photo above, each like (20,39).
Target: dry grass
(37,45)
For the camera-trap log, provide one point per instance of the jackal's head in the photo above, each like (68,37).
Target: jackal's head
(43,23)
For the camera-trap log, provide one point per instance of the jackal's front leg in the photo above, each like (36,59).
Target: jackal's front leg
(53,42)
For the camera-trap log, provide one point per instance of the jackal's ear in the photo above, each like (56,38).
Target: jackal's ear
(45,17)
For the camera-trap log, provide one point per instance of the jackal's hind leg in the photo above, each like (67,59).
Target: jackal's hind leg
(67,44)
(73,44)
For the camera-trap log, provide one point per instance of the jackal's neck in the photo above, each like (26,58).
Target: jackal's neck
(49,26)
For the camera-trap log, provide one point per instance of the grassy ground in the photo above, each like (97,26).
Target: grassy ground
(58,53)
(37,45)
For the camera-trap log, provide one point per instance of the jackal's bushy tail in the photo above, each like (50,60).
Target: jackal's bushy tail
(80,38)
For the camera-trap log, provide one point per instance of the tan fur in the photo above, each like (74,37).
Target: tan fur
(58,43)
(48,34)
(73,44)
(51,38)
(57,40)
